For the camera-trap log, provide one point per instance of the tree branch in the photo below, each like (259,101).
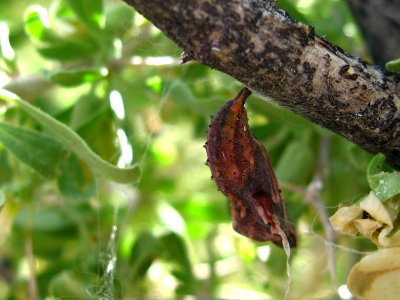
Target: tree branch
(284,60)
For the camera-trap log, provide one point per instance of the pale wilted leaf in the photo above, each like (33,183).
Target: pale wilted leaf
(370,218)
(343,220)
(376,276)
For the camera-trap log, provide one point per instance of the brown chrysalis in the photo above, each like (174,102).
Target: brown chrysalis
(242,171)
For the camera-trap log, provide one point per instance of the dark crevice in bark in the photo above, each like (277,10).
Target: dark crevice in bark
(284,60)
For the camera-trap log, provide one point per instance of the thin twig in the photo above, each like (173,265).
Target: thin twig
(33,292)
(144,61)
(313,196)
(292,187)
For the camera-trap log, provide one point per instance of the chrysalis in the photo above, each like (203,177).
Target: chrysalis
(242,171)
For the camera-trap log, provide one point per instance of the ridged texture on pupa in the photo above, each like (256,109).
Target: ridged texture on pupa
(242,171)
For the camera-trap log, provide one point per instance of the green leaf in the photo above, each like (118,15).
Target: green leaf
(154,83)
(295,164)
(145,250)
(37,25)
(179,91)
(385,185)
(374,167)
(48,220)
(67,50)
(89,11)
(393,65)
(6,172)
(70,285)
(76,182)
(2,200)
(119,19)
(199,208)
(87,108)
(51,227)
(41,152)
(6,50)
(7,213)
(174,250)
(388,185)
(77,77)
(73,142)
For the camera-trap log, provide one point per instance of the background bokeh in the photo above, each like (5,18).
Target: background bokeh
(115,79)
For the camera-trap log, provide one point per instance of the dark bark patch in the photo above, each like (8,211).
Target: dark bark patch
(380,114)
(347,72)
(309,74)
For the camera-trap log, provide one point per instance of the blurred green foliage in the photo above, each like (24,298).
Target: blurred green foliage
(393,65)
(111,76)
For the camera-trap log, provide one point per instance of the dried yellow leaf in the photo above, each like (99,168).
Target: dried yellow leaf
(376,276)
(344,218)
(370,218)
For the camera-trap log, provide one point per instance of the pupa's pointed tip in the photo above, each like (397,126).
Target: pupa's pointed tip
(242,96)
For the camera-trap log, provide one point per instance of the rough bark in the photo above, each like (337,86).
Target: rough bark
(283,60)
(379,21)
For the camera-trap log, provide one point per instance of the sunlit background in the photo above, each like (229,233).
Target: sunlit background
(116,80)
